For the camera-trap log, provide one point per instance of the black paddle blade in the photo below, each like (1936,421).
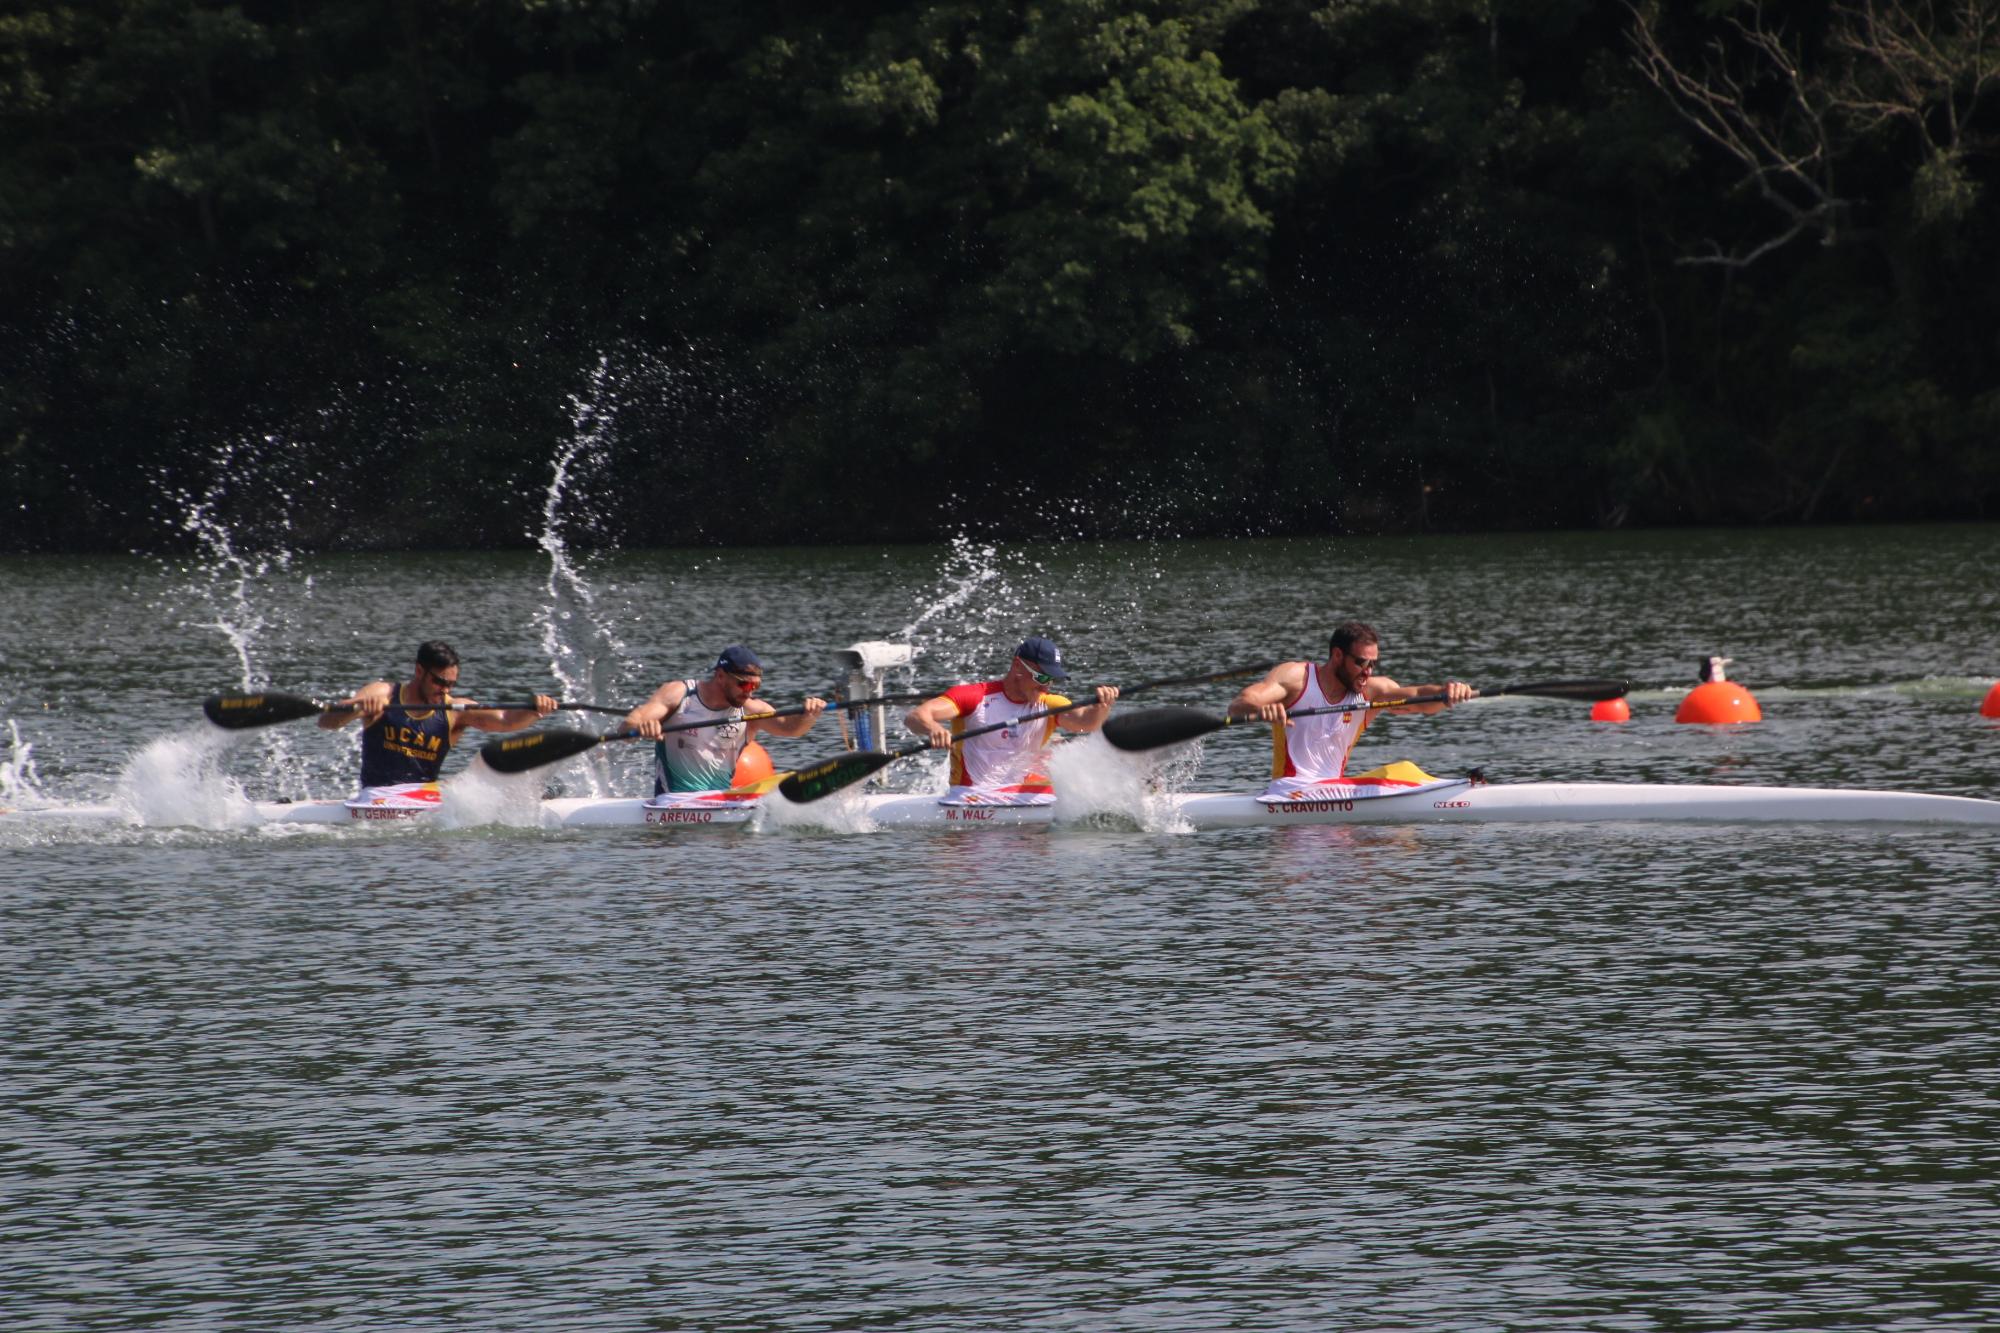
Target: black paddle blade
(518,754)
(239,712)
(809,784)
(1584,691)
(1152,728)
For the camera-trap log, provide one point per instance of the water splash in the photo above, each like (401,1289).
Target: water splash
(20,784)
(178,781)
(1094,780)
(984,599)
(843,812)
(234,582)
(227,576)
(584,653)
(479,796)
(968,567)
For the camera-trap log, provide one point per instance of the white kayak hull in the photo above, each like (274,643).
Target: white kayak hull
(1515,803)
(1457,802)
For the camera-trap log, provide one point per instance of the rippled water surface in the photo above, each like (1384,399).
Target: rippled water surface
(1612,1076)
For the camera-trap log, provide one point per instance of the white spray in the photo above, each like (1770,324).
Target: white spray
(20,784)
(584,654)
(234,586)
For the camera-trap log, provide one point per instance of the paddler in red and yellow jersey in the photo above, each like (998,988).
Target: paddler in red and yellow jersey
(1005,767)
(408,729)
(1310,751)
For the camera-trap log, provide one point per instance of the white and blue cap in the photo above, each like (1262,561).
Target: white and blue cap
(1043,655)
(739,660)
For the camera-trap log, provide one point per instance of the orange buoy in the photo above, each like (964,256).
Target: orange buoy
(1718,701)
(1610,710)
(1991,708)
(752,766)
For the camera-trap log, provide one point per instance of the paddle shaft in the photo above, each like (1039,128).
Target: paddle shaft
(846,705)
(906,751)
(829,776)
(1570,689)
(1592,691)
(1370,706)
(1208,679)
(518,754)
(461,706)
(1152,729)
(527,707)
(843,705)
(237,712)
(919,748)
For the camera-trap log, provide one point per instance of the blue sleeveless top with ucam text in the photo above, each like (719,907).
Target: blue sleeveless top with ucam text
(407,745)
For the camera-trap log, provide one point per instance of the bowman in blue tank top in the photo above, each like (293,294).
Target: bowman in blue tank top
(407,745)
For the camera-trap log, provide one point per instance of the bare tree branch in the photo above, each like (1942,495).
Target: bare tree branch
(1786,154)
(1908,65)
(1924,66)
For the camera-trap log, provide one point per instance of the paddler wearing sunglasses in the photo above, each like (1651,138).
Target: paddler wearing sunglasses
(1004,767)
(1313,750)
(408,729)
(704,759)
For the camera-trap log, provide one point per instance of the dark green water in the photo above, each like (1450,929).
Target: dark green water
(1459,1077)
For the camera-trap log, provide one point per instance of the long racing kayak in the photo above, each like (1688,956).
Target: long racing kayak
(1438,801)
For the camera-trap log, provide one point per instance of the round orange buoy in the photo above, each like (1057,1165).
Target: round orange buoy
(753,765)
(1610,710)
(1991,707)
(1719,702)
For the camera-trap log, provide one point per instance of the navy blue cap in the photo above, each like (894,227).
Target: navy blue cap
(740,660)
(1043,655)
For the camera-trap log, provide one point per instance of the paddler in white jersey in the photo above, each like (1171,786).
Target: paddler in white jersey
(1314,750)
(1004,767)
(405,734)
(700,764)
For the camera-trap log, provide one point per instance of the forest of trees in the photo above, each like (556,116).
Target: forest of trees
(820,272)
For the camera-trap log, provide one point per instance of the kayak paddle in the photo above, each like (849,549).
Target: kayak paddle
(1157,727)
(829,776)
(518,754)
(240,712)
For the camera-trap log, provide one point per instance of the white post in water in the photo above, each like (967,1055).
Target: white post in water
(868,666)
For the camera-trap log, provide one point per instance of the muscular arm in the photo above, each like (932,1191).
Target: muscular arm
(1268,698)
(647,717)
(365,703)
(932,718)
(1091,718)
(502,719)
(1377,689)
(796,725)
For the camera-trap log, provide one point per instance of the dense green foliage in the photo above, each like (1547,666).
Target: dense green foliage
(361,268)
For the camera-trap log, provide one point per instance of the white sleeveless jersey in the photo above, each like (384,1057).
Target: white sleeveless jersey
(1007,760)
(703,759)
(1315,749)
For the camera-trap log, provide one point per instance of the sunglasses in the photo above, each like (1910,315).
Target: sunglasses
(1367,666)
(747,682)
(1043,678)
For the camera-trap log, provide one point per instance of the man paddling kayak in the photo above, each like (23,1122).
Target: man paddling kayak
(408,729)
(702,760)
(1004,767)
(1307,751)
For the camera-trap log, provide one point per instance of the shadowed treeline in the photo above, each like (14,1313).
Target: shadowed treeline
(816,272)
